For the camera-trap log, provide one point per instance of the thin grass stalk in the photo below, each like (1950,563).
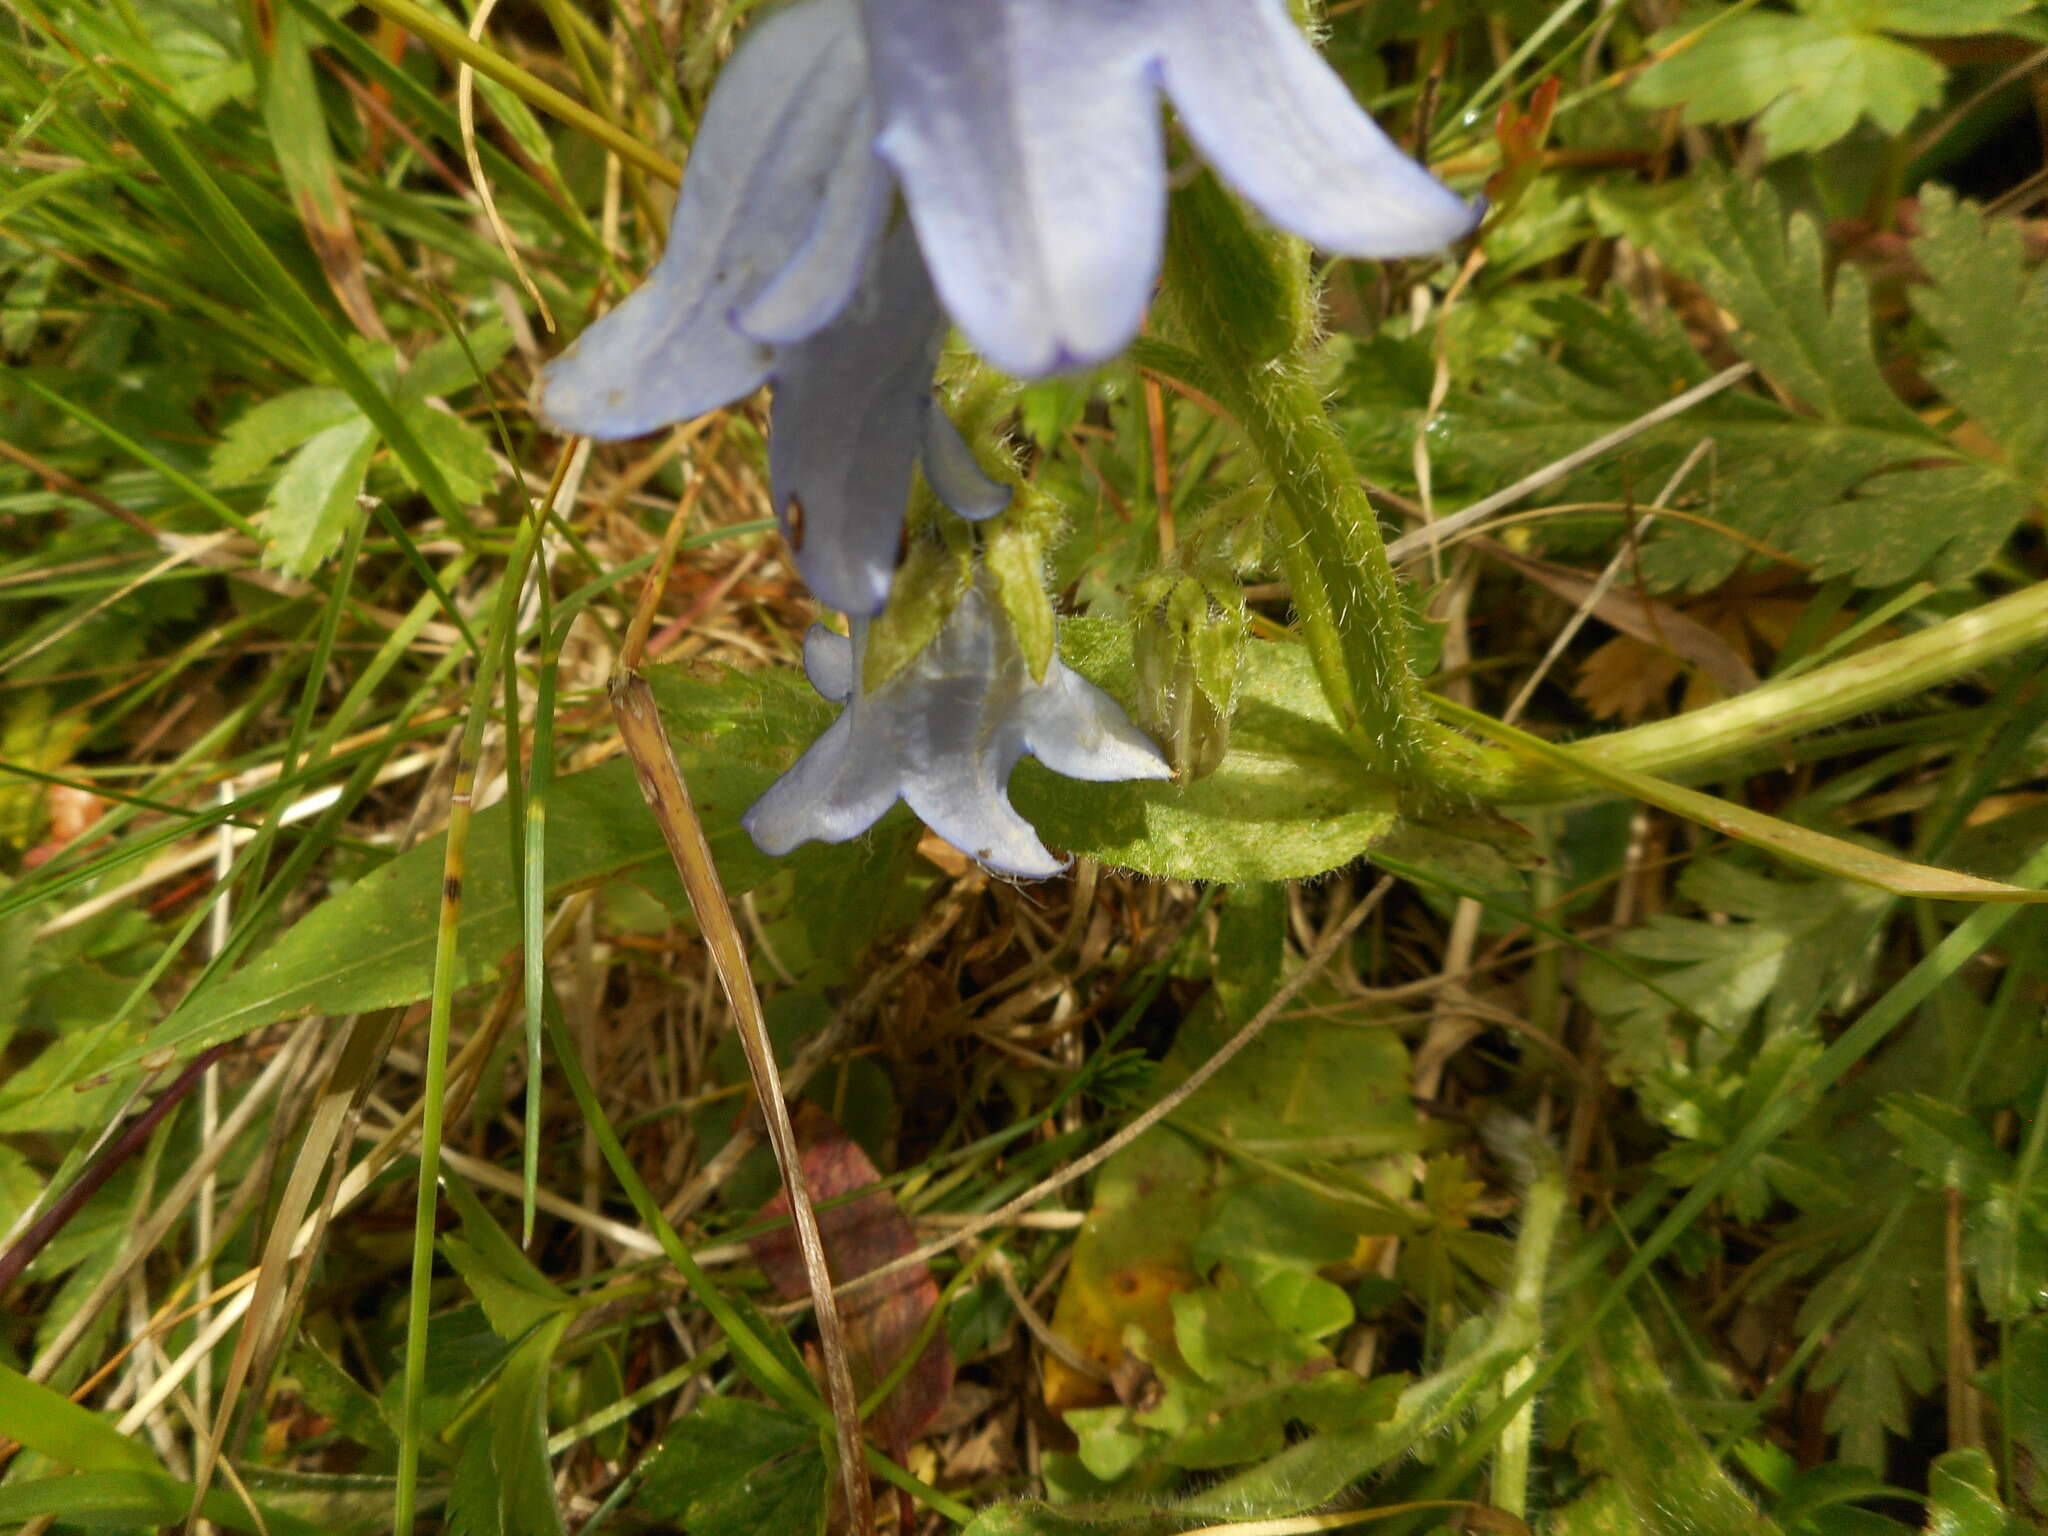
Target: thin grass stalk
(441,1005)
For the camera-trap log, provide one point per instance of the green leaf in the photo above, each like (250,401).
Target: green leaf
(50,1424)
(1030,1518)
(503,1484)
(1852,483)
(1989,306)
(132,1500)
(736,1468)
(1218,1289)
(1929,18)
(1628,1427)
(1290,799)
(315,498)
(1943,522)
(1769,943)
(443,367)
(1944,1144)
(519,1436)
(459,447)
(515,1296)
(1771,274)
(2018,1386)
(1806,78)
(276,426)
(330,1390)
(1881,1355)
(1962,1498)
(373,946)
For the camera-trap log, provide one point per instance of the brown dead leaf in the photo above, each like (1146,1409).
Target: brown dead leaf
(1749,619)
(1669,631)
(882,1320)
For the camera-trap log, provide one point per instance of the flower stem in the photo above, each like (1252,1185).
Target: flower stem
(1244,302)
(1776,712)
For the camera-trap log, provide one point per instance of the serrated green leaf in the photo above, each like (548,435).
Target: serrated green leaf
(1771,273)
(515,1296)
(1806,78)
(736,1468)
(1990,308)
(276,426)
(443,366)
(1944,1144)
(1881,1355)
(460,448)
(315,498)
(1943,522)
(1288,801)
(1768,943)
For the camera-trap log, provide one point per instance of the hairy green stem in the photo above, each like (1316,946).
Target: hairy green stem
(1542,1209)
(1244,302)
(1777,712)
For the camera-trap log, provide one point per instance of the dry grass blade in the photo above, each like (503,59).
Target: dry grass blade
(1594,599)
(1424,539)
(357,1061)
(669,798)
(170,1210)
(465,107)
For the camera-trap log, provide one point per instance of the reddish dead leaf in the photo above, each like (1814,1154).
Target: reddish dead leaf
(1522,136)
(882,1320)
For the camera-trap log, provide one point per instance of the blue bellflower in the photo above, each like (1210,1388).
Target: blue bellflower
(943,735)
(1026,139)
(777,269)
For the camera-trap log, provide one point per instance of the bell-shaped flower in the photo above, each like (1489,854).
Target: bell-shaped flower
(746,293)
(779,212)
(1026,139)
(943,735)
(853,412)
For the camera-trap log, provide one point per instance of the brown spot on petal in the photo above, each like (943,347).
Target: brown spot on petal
(793,523)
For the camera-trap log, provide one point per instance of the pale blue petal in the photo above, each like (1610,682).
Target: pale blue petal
(1277,124)
(828,663)
(773,132)
(976,817)
(944,734)
(1026,136)
(837,790)
(849,416)
(827,269)
(963,740)
(955,475)
(1080,732)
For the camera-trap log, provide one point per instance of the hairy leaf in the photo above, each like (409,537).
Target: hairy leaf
(1289,800)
